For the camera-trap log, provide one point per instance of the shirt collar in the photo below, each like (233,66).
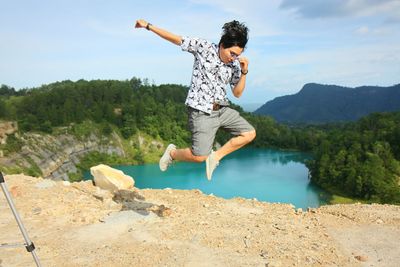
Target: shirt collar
(216,48)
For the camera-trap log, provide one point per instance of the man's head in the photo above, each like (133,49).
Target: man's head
(233,40)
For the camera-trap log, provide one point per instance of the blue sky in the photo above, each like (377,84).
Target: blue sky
(343,42)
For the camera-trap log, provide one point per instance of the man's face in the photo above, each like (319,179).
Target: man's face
(228,55)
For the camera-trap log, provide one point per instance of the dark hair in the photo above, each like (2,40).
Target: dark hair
(234,34)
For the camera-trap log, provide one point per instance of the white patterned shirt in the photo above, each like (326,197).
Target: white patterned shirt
(210,75)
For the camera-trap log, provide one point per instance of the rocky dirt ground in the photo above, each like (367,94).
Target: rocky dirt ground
(79,224)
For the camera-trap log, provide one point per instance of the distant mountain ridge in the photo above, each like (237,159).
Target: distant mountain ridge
(318,103)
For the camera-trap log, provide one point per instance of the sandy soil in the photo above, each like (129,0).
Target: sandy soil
(81,225)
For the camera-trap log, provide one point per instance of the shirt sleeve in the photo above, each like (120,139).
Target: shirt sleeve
(235,74)
(191,45)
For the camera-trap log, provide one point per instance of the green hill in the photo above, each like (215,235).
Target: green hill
(317,103)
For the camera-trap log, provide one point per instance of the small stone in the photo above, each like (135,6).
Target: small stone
(66,183)
(36,211)
(264,254)
(312,210)
(379,221)
(315,246)
(246,242)
(127,196)
(361,258)
(206,205)
(161,210)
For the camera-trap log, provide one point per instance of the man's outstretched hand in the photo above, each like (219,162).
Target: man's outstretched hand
(141,23)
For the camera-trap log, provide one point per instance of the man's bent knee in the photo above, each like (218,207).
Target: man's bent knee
(198,159)
(249,136)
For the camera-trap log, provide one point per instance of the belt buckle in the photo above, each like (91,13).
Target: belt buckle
(216,106)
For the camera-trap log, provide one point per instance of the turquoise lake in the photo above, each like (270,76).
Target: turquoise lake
(267,175)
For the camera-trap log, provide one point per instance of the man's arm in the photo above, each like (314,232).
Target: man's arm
(239,87)
(173,38)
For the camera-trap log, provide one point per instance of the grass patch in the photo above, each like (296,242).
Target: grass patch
(34,169)
(75,176)
(336,199)
(11,170)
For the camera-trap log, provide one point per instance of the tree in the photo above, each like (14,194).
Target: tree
(3,110)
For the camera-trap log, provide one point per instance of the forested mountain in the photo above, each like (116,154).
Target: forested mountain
(317,103)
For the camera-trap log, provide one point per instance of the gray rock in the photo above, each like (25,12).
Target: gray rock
(45,184)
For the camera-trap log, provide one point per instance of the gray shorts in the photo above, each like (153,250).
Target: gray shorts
(204,127)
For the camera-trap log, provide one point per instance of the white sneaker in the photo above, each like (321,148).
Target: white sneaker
(166,159)
(211,164)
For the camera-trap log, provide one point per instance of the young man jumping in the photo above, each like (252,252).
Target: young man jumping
(208,106)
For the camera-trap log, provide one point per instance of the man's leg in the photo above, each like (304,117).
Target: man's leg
(172,153)
(244,133)
(203,128)
(234,144)
(186,154)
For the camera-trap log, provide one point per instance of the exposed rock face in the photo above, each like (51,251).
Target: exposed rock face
(111,179)
(58,155)
(7,128)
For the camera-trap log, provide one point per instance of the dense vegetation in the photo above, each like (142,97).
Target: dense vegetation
(361,159)
(130,105)
(358,159)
